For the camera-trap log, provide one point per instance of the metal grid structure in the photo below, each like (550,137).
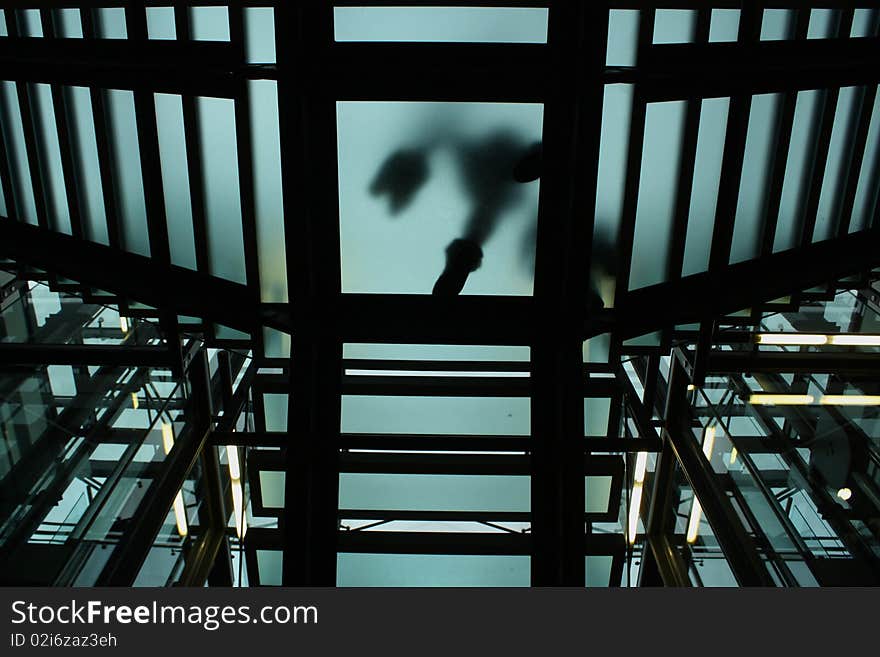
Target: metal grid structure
(76,97)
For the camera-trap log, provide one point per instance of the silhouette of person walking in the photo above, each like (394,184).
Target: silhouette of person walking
(491,172)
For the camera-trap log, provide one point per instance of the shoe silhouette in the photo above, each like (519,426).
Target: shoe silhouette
(528,168)
(462,257)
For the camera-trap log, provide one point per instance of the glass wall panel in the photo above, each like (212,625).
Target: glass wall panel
(259,34)
(623,38)
(52,175)
(837,165)
(356,569)
(85,145)
(674,25)
(13,133)
(868,187)
(70,23)
(724,25)
(160,23)
(210,23)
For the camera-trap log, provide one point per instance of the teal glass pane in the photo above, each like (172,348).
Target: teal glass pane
(755,183)
(707,177)
(29,23)
(674,25)
(269,565)
(71,23)
(175,179)
(864,24)
(798,166)
(111,23)
(51,173)
(272,488)
(276,344)
(611,181)
(91,196)
(4,31)
(441,24)
(419,492)
(130,183)
(160,23)
(597,493)
(413,177)
(598,569)
(837,165)
(867,189)
(14,136)
(275,410)
(495,416)
(724,25)
(646,340)
(823,23)
(222,196)
(434,352)
(597,349)
(268,204)
(623,38)
(259,34)
(359,569)
(655,213)
(596,413)
(4,211)
(210,23)
(776,24)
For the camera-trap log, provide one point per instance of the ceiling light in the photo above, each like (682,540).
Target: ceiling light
(855,340)
(791,338)
(844,494)
(850,400)
(788,400)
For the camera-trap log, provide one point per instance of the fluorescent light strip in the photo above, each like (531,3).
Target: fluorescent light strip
(839,340)
(807,400)
(134,400)
(439,374)
(854,340)
(693,528)
(761,399)
(123,324)
(791,338)
(237,491)
(179,508)
(850,400)
(636,501)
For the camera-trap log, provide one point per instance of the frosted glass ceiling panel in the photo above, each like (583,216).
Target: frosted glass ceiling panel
(798,166)
(867,190)
(4,31)
(71,23)
(616,111)
(222,199)
(755,182)
(724,25)
(275,411)
(269,565)
(823,23)
(434,352)
(91,195)
(112,23)
(126,156)
(863,24)
(598,569)
(837,166)
(268,205)
(276,344)
(596,413)
(51,173)
(413,177)
(776,24)
(707,176)
(14,137)
(272,488)
(175,179)
(210,23)
(29,23)
(597,493)
(160,23)
(362,569)
(259,34)
(418,492)
(623,37)
(674,25)
(655,213)
(441,24)
(496,416)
